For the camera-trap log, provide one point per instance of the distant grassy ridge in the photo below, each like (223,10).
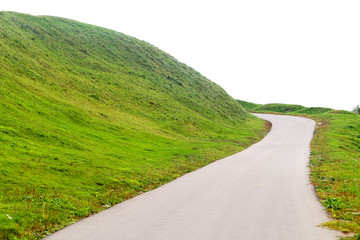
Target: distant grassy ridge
(282,108)
(334,163)
(91,117)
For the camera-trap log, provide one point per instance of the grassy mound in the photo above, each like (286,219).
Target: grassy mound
(91,117)
(282,108)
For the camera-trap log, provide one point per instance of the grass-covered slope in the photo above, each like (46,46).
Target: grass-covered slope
(90,117)
(334,163)
(282,108)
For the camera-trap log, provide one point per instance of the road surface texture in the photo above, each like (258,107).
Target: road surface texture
(261,193)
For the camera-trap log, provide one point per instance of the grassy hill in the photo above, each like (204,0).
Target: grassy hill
(282,108)
(334,163)
(91,117)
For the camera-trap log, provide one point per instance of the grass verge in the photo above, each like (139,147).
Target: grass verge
(335,170)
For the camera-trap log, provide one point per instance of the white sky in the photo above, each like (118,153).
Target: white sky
(299,52)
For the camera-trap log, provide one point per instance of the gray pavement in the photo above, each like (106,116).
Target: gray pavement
(262,193)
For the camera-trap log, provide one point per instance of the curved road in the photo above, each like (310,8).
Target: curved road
(260,193)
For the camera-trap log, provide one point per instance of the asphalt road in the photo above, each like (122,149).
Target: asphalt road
(262,193)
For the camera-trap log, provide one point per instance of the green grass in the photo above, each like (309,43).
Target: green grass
(91,117)
(334,163)
(248,105)
(282,108)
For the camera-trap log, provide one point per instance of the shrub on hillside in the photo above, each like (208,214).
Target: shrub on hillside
(356,109)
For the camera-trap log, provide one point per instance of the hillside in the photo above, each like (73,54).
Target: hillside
(282,108)
(91,117)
